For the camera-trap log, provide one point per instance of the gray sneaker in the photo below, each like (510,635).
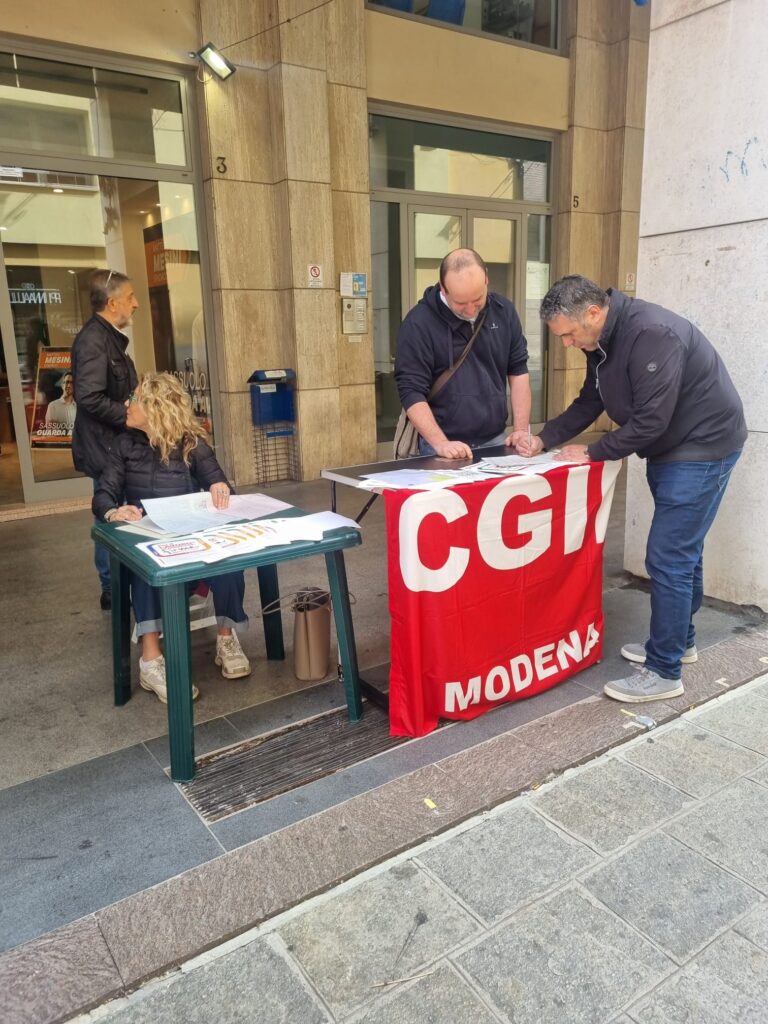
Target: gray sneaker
(636,653)
(643,685)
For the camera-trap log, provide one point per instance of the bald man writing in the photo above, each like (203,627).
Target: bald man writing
(470,410)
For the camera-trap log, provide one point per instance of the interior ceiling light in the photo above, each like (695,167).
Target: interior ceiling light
(58,190)
(216,61)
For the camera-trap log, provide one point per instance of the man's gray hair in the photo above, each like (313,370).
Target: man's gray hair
(570,297)
(104,284)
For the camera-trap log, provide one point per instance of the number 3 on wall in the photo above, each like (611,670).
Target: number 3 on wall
(221,164)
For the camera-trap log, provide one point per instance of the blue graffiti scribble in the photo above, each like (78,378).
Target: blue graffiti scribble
(741,161)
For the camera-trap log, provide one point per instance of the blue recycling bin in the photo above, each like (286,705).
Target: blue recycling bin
(274,424)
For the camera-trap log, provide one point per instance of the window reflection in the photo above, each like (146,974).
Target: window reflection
(74,110)
(537,280)
(54,233)
(527,21)
(438,158)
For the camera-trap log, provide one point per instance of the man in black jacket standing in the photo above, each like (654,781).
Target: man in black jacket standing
(471,409)
(104,378)
(661,380)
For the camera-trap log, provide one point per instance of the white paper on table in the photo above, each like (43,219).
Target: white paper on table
(184,513)
(318,523)
(508,464)
(422,479)
(251,506)
(191,513)
(144,528)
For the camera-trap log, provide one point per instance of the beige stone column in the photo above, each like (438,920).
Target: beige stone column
(291,124)
(598,198)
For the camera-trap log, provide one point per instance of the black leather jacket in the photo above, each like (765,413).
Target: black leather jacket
(134,471)
(104,376)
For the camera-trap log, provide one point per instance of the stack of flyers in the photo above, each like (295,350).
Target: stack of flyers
(241,538)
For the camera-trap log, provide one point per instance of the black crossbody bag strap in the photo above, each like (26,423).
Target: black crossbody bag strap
(446,375)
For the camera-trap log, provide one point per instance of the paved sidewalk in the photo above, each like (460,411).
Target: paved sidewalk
(631,889)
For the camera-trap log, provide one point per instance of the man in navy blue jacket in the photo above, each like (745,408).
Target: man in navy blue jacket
(660,379)
(471,409)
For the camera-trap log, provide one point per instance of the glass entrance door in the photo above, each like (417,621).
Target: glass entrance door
(432,232)
(497,239)
(54,231)
(409,242)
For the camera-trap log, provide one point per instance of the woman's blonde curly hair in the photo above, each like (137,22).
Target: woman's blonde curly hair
(170,420)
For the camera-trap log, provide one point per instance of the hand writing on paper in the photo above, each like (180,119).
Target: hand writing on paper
(573,453)
(528,445)
(220,495)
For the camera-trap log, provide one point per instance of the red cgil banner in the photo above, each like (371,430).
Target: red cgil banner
(495,590)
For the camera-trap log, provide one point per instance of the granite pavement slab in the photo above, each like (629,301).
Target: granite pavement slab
(755,927)
(674,896)
(500,768)
(743,721)
(725,984)
(718,669)
(610,803)
(693,760)
(730,828)
(414,922)
(251,985)
(584,730)
(506,861)
(564,960)
(162,926)
(86,836)
(442,997)
(209,736)
(67,971)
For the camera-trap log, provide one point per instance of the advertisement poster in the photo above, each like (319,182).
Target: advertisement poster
(53,405)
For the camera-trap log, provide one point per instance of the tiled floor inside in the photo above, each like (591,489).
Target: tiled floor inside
(89,813)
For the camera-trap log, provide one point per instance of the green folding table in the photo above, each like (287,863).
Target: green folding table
(174,598)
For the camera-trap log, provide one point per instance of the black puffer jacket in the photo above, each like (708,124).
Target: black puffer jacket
(134,471)
(662,381)
(104,377)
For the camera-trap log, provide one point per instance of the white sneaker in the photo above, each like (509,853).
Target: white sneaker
(636,653)
(152,678)
(229,654)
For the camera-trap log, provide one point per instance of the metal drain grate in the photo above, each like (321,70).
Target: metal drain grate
(246,774)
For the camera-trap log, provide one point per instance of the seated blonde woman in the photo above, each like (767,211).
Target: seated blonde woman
(163,453)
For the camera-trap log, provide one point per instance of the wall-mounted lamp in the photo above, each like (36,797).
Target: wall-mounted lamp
(216,61)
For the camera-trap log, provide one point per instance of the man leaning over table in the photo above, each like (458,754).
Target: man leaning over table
(471,409)
(661,380)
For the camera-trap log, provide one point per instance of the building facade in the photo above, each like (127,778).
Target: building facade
(288,216)
(703,245)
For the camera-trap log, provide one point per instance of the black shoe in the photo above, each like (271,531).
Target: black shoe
(106,600)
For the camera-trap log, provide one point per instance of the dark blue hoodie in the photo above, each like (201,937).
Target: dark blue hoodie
(472,406)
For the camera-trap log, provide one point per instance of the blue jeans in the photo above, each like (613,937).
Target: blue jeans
(686,498)
(101,556)
(228,593)
(427,449)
